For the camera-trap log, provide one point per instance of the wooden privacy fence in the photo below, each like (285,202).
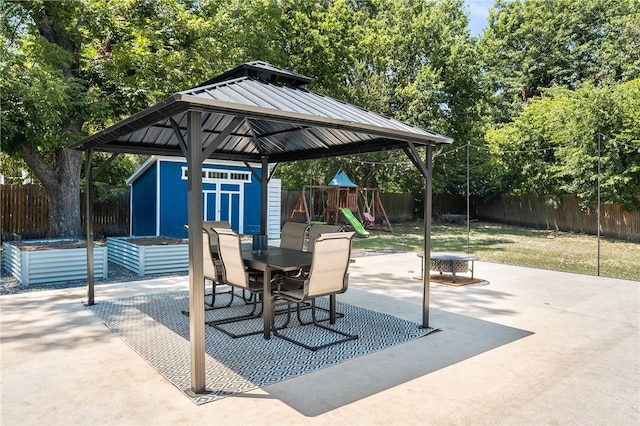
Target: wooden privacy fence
(25,211)
(545,212)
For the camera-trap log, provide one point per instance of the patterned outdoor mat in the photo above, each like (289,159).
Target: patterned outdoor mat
(154,327)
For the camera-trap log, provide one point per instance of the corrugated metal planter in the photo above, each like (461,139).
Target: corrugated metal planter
(145,259)
(48,265)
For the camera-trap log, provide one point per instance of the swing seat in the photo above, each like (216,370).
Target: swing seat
(368,219)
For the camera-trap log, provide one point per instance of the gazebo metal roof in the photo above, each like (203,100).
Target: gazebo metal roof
(256,113)
(261,110)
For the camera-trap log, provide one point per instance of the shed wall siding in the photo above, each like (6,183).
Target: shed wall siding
(143,203)
(159,200)
(273,211)
(173,200)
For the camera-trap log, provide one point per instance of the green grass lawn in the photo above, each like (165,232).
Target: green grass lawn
(561,251)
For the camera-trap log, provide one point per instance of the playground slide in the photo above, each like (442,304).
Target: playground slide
(357,226)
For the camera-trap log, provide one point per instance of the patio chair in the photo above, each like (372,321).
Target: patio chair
(292,235)
(212,271)
(211,262)
(212,239)
(328,276)
(236,274)
(315,230)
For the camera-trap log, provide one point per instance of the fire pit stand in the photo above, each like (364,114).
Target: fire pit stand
(450,262)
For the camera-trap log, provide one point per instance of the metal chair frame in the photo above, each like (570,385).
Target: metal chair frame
(292,235)
(332,263)
(237,275)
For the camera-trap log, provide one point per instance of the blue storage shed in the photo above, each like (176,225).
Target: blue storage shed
(230,193)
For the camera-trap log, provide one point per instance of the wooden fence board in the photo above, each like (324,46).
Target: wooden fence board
(25,212)
(561,214)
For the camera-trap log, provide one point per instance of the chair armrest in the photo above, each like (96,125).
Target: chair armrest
(288,283)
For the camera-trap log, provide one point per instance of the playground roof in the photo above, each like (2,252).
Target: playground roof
(341,179)
(258,110)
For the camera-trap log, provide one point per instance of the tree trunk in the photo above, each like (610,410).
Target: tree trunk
(62,184)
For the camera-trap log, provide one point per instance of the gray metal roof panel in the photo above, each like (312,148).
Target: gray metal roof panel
(264,70)
(246,91)
(280,121)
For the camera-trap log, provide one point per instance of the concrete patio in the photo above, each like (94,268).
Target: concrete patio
(532,347)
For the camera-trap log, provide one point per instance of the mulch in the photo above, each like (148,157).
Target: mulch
(49,245)
(156,241)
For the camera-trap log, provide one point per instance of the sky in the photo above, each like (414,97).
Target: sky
(478,14)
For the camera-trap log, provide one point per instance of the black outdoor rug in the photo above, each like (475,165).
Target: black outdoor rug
(154,327)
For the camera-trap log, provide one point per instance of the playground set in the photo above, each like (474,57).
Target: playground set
(340,202)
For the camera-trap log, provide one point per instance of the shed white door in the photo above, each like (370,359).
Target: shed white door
(225,205)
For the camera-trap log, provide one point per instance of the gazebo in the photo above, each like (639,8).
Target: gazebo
(255,113)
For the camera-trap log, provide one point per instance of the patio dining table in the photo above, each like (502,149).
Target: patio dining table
(274,259)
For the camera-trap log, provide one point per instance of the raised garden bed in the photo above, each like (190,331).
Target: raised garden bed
(149,255)
(52,261)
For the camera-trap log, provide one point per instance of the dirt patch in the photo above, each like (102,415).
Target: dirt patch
(71,244)
(49,245)
(156,241)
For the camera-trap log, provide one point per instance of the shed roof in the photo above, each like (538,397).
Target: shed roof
(271,114)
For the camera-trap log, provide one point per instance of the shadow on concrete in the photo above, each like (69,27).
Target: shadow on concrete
(461,338)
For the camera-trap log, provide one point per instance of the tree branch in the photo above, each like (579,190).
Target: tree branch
(36,163)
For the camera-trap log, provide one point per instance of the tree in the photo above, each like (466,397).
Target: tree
(551,147)
(43,101)
(535,44)
(411,60)
(71,68)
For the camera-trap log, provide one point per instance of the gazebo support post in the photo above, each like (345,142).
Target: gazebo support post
(264,195)
(196,274)
(88,217)
(427,237)
(425,168)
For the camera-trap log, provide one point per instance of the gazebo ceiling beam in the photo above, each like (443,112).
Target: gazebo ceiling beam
(178,134)
(414,156)
(375,145)
(235,122)
(254,138)
(204,131)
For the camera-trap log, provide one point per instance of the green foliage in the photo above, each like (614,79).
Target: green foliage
(560,73)
(535,44)
(555,73)
(14,170)
(552,146)
(411,60)
(72,68)
(41,99)
(111,182)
